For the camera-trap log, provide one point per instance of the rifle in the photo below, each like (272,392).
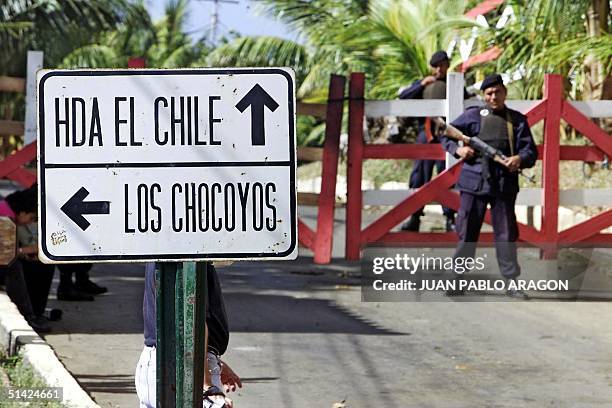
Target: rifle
(477,144)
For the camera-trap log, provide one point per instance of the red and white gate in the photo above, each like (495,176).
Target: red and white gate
(551,110)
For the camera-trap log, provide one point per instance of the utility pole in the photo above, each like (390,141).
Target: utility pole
(214,23)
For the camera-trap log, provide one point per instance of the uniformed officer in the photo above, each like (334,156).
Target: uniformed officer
(430,87)
(484,182)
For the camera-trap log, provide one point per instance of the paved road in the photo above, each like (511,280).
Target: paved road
(301,337)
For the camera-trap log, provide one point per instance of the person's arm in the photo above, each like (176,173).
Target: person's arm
(414,91)
(449,144)
(229,379)
(526,147)
(207,379)
(29,252)
(465,124)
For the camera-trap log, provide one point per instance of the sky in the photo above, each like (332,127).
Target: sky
(241,16)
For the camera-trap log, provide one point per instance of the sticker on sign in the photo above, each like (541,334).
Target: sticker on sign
(140,165)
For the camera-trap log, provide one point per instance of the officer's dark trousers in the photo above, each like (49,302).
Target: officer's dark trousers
(81,274)
(422,172)
(469,221)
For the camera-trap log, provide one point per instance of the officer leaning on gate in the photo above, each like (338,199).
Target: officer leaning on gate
(483,181)
(430,87)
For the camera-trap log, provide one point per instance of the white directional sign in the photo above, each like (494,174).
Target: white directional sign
(166,164)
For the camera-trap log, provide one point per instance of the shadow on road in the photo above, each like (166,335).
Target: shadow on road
(111,383)
(285,314)
(272,297)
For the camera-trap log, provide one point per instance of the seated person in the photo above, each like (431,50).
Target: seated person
(21,207)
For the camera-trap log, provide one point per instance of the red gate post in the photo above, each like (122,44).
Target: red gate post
(137,62)
(354,197)
(11,169)
(331,150)
(553,93)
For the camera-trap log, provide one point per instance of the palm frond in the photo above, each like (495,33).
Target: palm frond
(260,52)
(93,56)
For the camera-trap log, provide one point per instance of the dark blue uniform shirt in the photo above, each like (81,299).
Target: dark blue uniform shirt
(501,181)
(415,91)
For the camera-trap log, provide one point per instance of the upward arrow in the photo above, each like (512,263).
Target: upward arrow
(257,98)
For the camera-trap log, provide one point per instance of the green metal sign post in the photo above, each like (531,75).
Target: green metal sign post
(181,317)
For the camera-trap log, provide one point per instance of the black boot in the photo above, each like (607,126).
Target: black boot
(413,223)
(515,292)
(87,286)
(457,290)
(53,314)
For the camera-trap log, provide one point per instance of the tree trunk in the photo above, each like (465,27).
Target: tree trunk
(597,25)
(606,94)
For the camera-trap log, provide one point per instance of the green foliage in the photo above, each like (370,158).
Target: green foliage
(389,40)
(404,35)
(310,131)
(22,376)
(550,36)
(164,44)
(55,27)
(381,171)
(262,51)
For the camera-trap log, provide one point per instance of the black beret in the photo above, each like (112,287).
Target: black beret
(491,80)
(437,58)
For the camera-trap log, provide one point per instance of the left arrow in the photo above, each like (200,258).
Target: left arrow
(75,207)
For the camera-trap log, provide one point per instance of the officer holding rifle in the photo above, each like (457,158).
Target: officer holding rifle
(487,179)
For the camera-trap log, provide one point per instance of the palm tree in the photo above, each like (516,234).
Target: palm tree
(113,48)
(389,40)
(404,34)
(173,47)
(164,44)
(262,51)
(54,26)
(558,36)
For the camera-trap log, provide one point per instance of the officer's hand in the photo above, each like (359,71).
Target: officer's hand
(465,152)
(428,80)
(513,163)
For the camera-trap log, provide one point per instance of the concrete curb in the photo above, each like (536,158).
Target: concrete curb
(16,336)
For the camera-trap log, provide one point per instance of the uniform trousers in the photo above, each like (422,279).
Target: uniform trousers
(505,229)
(422,172)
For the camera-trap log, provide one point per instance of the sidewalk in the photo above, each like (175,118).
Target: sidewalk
(100,341)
